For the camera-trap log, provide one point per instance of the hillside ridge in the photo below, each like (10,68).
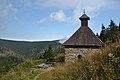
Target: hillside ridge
(27,48)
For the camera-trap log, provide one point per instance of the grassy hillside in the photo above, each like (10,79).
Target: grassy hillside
(8,59)
(24,71)
(104,65)
(28,49)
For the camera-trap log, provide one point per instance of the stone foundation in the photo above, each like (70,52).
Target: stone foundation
(71,54)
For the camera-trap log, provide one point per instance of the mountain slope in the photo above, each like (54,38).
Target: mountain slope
(27,49)
(8,59)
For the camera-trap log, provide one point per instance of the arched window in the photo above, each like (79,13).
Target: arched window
(79,57)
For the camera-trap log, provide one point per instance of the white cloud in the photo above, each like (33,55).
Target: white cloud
(66,4)
(92,8)
(6,9)
(42,21)
(58,16)
(28,3)
(72,4)
(63,40)
(77,6)
(69,4)
(54,17)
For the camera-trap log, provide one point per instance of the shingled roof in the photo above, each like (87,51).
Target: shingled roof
(84,36)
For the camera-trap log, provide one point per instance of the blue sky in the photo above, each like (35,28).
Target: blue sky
(40,20)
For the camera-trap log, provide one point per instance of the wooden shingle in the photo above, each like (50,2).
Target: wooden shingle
(84,36)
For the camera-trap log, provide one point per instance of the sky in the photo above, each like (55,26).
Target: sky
(44,20)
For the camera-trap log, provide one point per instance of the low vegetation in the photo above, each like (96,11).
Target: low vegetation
(24,71)
(8,59)
(103,65)
(100,66)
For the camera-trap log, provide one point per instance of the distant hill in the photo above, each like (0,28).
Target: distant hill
(28,49)
(8,59)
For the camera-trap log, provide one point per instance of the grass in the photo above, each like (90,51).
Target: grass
(103,65)
(24,71)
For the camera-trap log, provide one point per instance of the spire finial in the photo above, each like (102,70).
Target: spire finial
(84,11)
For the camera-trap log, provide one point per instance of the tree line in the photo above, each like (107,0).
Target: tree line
(111,33)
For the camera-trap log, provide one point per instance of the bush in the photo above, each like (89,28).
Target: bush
(59,58)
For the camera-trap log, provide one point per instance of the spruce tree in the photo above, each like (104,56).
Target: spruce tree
(60,49)
(112,26)
(49,53)
(113,32)
(102,33)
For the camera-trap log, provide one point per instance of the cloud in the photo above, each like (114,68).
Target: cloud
(6,9)
(77,6)
(63,40)
(58,16)
(66,4)
(91,7)
(28,3)
(69,4)
(72,4)
(42,21)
